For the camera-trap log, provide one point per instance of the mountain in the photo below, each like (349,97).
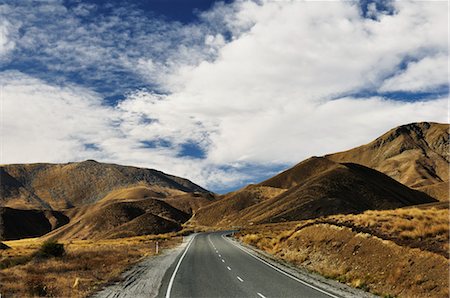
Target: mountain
(62,186)
(313,188)
(415,154)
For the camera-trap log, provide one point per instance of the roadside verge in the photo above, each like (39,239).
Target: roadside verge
(144,279)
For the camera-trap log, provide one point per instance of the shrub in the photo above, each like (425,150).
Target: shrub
(51,249)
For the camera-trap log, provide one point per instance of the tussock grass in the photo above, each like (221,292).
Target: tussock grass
(83,269)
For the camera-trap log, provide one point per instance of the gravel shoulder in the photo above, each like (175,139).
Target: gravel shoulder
(143,279)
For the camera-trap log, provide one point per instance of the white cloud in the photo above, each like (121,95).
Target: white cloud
(44,122)
(274,93)
(424,75)
(267,97)
(7,33)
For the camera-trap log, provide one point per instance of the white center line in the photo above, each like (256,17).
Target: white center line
(240,279)
(261,295)
(220,256)
(223,261)
(228,268)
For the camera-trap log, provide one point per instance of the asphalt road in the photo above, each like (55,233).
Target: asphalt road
(213,266)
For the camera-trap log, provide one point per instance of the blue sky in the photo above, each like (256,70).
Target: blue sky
(223,93)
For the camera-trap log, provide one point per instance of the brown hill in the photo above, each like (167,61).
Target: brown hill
(318,187)
(415,154)
(191,202)
(228,207)
(117,219)
(17,224)
(61,186)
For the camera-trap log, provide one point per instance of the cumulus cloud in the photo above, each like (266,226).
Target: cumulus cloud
(277,93)
(254,86)
(427,74)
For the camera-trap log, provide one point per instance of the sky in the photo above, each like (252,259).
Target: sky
(224,93)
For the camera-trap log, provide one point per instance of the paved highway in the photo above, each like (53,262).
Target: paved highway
(213,266)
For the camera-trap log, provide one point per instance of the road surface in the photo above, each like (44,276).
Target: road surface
(213,266)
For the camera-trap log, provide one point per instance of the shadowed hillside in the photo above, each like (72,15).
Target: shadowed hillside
(61,186)
(18,224)
(415,154)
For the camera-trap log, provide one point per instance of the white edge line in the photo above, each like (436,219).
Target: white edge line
(169,287)
(261,295)
(281,271)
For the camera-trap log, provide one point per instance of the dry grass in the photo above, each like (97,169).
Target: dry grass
(402,252)
(427,229)
(87,266)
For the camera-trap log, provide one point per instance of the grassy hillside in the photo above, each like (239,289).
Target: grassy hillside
(61,186)
(122,219)
(318,187)
(415,154)
(395,253)
(226,210)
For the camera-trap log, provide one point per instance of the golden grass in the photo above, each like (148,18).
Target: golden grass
(424,228)
(85,268)
(401,252)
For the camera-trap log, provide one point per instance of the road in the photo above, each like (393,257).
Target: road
(213,266)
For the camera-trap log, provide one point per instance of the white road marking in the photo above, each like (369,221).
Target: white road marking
(169,287)
(261,295)
(240,279)
(228,268)
(279,270)
(220,256)
(223,261)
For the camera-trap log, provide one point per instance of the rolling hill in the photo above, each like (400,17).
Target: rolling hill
(121,219)
(313,188)
(62,186)
(93,200)
(415,154)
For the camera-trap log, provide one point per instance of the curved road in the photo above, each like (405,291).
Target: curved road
(213,266)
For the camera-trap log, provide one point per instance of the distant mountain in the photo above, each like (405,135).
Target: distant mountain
(61,186)
(415,154)
(313,188)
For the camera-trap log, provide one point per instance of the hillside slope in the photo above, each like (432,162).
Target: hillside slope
(121,219)
(61,186)
(317,187)
(415,154)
